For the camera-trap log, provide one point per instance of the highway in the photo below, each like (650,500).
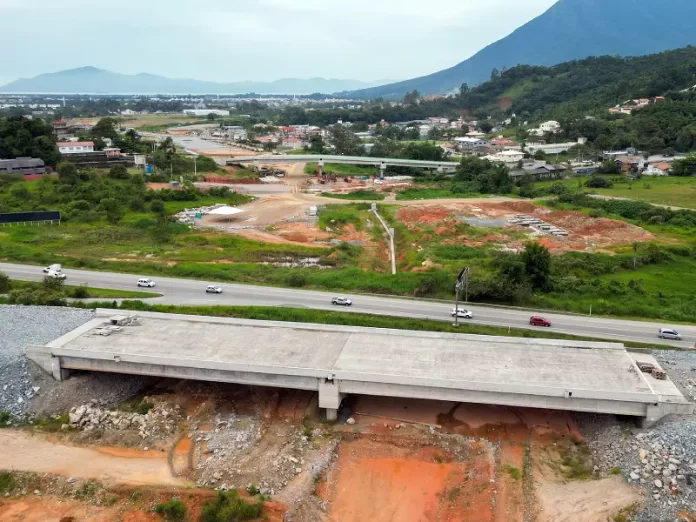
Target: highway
(192,292)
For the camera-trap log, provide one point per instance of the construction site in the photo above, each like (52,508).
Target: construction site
(112,446)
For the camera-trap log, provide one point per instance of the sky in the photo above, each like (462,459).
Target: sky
(260,40)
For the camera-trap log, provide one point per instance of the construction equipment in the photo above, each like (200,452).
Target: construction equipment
(659,374)
(646,367)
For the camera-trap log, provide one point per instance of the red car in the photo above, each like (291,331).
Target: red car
(539,321)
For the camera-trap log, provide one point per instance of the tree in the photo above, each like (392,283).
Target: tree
(157,206)
(495,74)
(540,155)
(598,182)
(105,128)
(684,167)
(119,172)
(67,173)
(113,210)
(609,167)
(345,142)
(537,265)
(316,144)
(31,138)
(486,126)
(412,97)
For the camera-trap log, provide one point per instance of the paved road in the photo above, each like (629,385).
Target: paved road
(191,292)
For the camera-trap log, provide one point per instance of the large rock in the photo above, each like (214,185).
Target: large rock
(76,416)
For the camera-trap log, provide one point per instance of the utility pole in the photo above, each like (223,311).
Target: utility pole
(195,168)
(462,284)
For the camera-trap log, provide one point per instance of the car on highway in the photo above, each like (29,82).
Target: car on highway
(144,281)
(537,320)
(55,275)
(213,289)
(464,314)
(53,268)
(669,333)
(341,301)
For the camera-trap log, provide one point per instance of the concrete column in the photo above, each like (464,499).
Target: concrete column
(330,397)
(59,374)
(654,413)
(382,169)
(320,168)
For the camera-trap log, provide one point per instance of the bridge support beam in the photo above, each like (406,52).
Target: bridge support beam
(320,168)
(330,398)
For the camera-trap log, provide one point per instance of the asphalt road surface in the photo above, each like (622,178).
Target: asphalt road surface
(192,292)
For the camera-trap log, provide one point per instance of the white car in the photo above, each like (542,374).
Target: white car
(669,333)
(149,283)
(52,268)
(341,301)
(55,275)
(464,314)
(213,289)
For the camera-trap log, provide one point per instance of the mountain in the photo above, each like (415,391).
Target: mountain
(93,80)
(580,87)
(569,30)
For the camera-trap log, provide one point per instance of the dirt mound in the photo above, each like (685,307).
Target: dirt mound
(301,233)
(424,214)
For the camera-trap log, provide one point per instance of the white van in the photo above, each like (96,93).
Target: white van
(149,283)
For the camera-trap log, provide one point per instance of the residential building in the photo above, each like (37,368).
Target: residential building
(509,157)
(75,147)
(206,112)
(23,166)
(470,144)
(538,171)
(292,143)
(549,148)
(500,144)
(658,169)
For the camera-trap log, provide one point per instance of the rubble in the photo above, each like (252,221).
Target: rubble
(158,422)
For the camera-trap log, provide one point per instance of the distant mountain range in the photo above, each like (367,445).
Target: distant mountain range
(569,30)
(89,80)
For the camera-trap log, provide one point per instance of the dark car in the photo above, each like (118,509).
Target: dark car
(539,321)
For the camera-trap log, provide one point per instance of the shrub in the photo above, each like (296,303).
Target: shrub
(172,510)
(4,417)
(7,482)
(4,283)
(296,280)
(229,507)
(79,292)
(598,182)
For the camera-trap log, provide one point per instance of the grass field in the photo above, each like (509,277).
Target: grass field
(301,315)
(94,293)
(362,195)
(672,191)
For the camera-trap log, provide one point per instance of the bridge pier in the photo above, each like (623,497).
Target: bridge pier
(330,397)
(320,168)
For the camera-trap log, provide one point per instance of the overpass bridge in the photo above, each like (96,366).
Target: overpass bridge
(339,360)
(380,163)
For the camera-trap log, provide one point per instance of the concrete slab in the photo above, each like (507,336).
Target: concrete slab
(335,360)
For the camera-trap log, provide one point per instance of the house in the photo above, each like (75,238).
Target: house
(509,157)
(538,171)
(500,144)
(470,144)
(292,143)
(550,148)
(658,169)
(550,126)
(75,147)
(23,166)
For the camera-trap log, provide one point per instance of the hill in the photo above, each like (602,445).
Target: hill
(94,80)
(569,30)
(577,88)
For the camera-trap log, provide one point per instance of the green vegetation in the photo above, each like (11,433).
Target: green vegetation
(301,315)
(615,471)
(672,191)
(357,195)
(7,482)
(576,461)
(29,138)
(53,423)
(627,513)
(173,509)
(4,418)
(83,292)
(513,472)
(230,507)
(136,405)
(338,216)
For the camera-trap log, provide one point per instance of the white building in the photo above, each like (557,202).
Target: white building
(509,157)
(468,143)
(550,126)
(552,148)
(75,147)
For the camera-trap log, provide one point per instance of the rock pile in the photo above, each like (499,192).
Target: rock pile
(158,422)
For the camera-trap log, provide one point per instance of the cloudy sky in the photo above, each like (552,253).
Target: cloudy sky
(234,40)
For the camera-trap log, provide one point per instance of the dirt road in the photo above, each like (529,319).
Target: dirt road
(110,465)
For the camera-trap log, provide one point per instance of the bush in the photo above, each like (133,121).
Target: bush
(296,280)
(172,510)
(4,418)
(229,507)
(157,206)
(598,182)
(7,482)
(79,292)
(4,283)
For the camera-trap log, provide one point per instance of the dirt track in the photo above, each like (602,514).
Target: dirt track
(112,465)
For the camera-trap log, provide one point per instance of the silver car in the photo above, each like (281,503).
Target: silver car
(669,333)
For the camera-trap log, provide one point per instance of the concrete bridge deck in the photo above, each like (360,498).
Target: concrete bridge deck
(340,360)
(321,160)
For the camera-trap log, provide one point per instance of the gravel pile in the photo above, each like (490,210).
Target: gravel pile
(19,327)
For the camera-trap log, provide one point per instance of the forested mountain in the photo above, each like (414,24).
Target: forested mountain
(571,29)
(582,86)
